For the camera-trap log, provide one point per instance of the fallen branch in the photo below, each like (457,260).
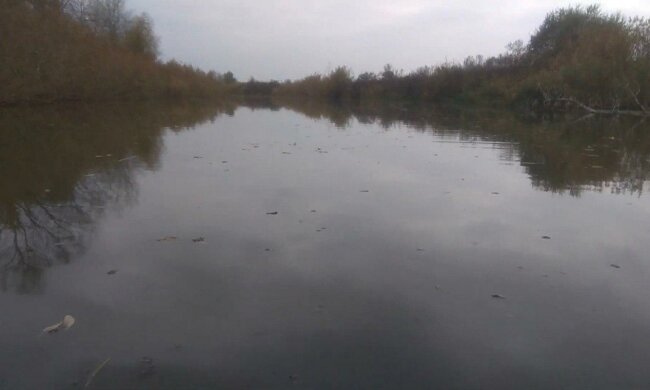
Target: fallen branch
(602,111)
(635,96)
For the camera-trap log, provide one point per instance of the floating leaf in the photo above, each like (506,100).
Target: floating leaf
(68,321)
(53,328)
(66,324)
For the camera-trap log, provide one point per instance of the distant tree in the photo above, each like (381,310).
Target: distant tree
(366,77)
(139,36)
(516,48)
(229,78)
(559,29)
(388,73)
(108,17)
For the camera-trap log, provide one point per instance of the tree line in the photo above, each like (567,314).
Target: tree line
(579,58)
(59,50)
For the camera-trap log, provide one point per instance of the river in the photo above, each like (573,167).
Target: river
(257,245)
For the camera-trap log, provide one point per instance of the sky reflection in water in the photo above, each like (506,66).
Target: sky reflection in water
(394,228)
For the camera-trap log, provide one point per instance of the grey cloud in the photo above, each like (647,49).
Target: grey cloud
(292,38)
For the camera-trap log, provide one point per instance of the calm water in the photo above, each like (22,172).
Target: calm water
(395,229)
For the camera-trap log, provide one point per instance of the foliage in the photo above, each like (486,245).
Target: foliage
(577,56)
(58,50)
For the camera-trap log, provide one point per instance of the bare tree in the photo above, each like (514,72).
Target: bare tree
(108,17)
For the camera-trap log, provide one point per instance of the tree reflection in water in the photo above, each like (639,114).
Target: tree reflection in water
(561,154)
(63,166)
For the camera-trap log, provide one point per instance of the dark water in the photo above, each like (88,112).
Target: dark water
(394,230)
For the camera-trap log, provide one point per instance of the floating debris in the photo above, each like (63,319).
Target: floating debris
(272,213)
(364,191)
(112,272)
(168,238)
(198,157)
(498,296)
(198,239)
(96,371)
(495,193)
(420,250)
(313,211)
(126,159)
(615,266)
(546,237)
(66,324)
(146,366)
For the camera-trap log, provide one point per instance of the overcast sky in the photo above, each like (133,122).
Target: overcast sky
(280,39)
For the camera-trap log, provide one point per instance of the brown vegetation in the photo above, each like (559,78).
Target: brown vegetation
(578,57)
(54,50)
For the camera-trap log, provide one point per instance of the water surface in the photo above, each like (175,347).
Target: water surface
(259,246)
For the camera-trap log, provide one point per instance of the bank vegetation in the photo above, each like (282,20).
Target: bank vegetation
(579,58)
(84,50)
